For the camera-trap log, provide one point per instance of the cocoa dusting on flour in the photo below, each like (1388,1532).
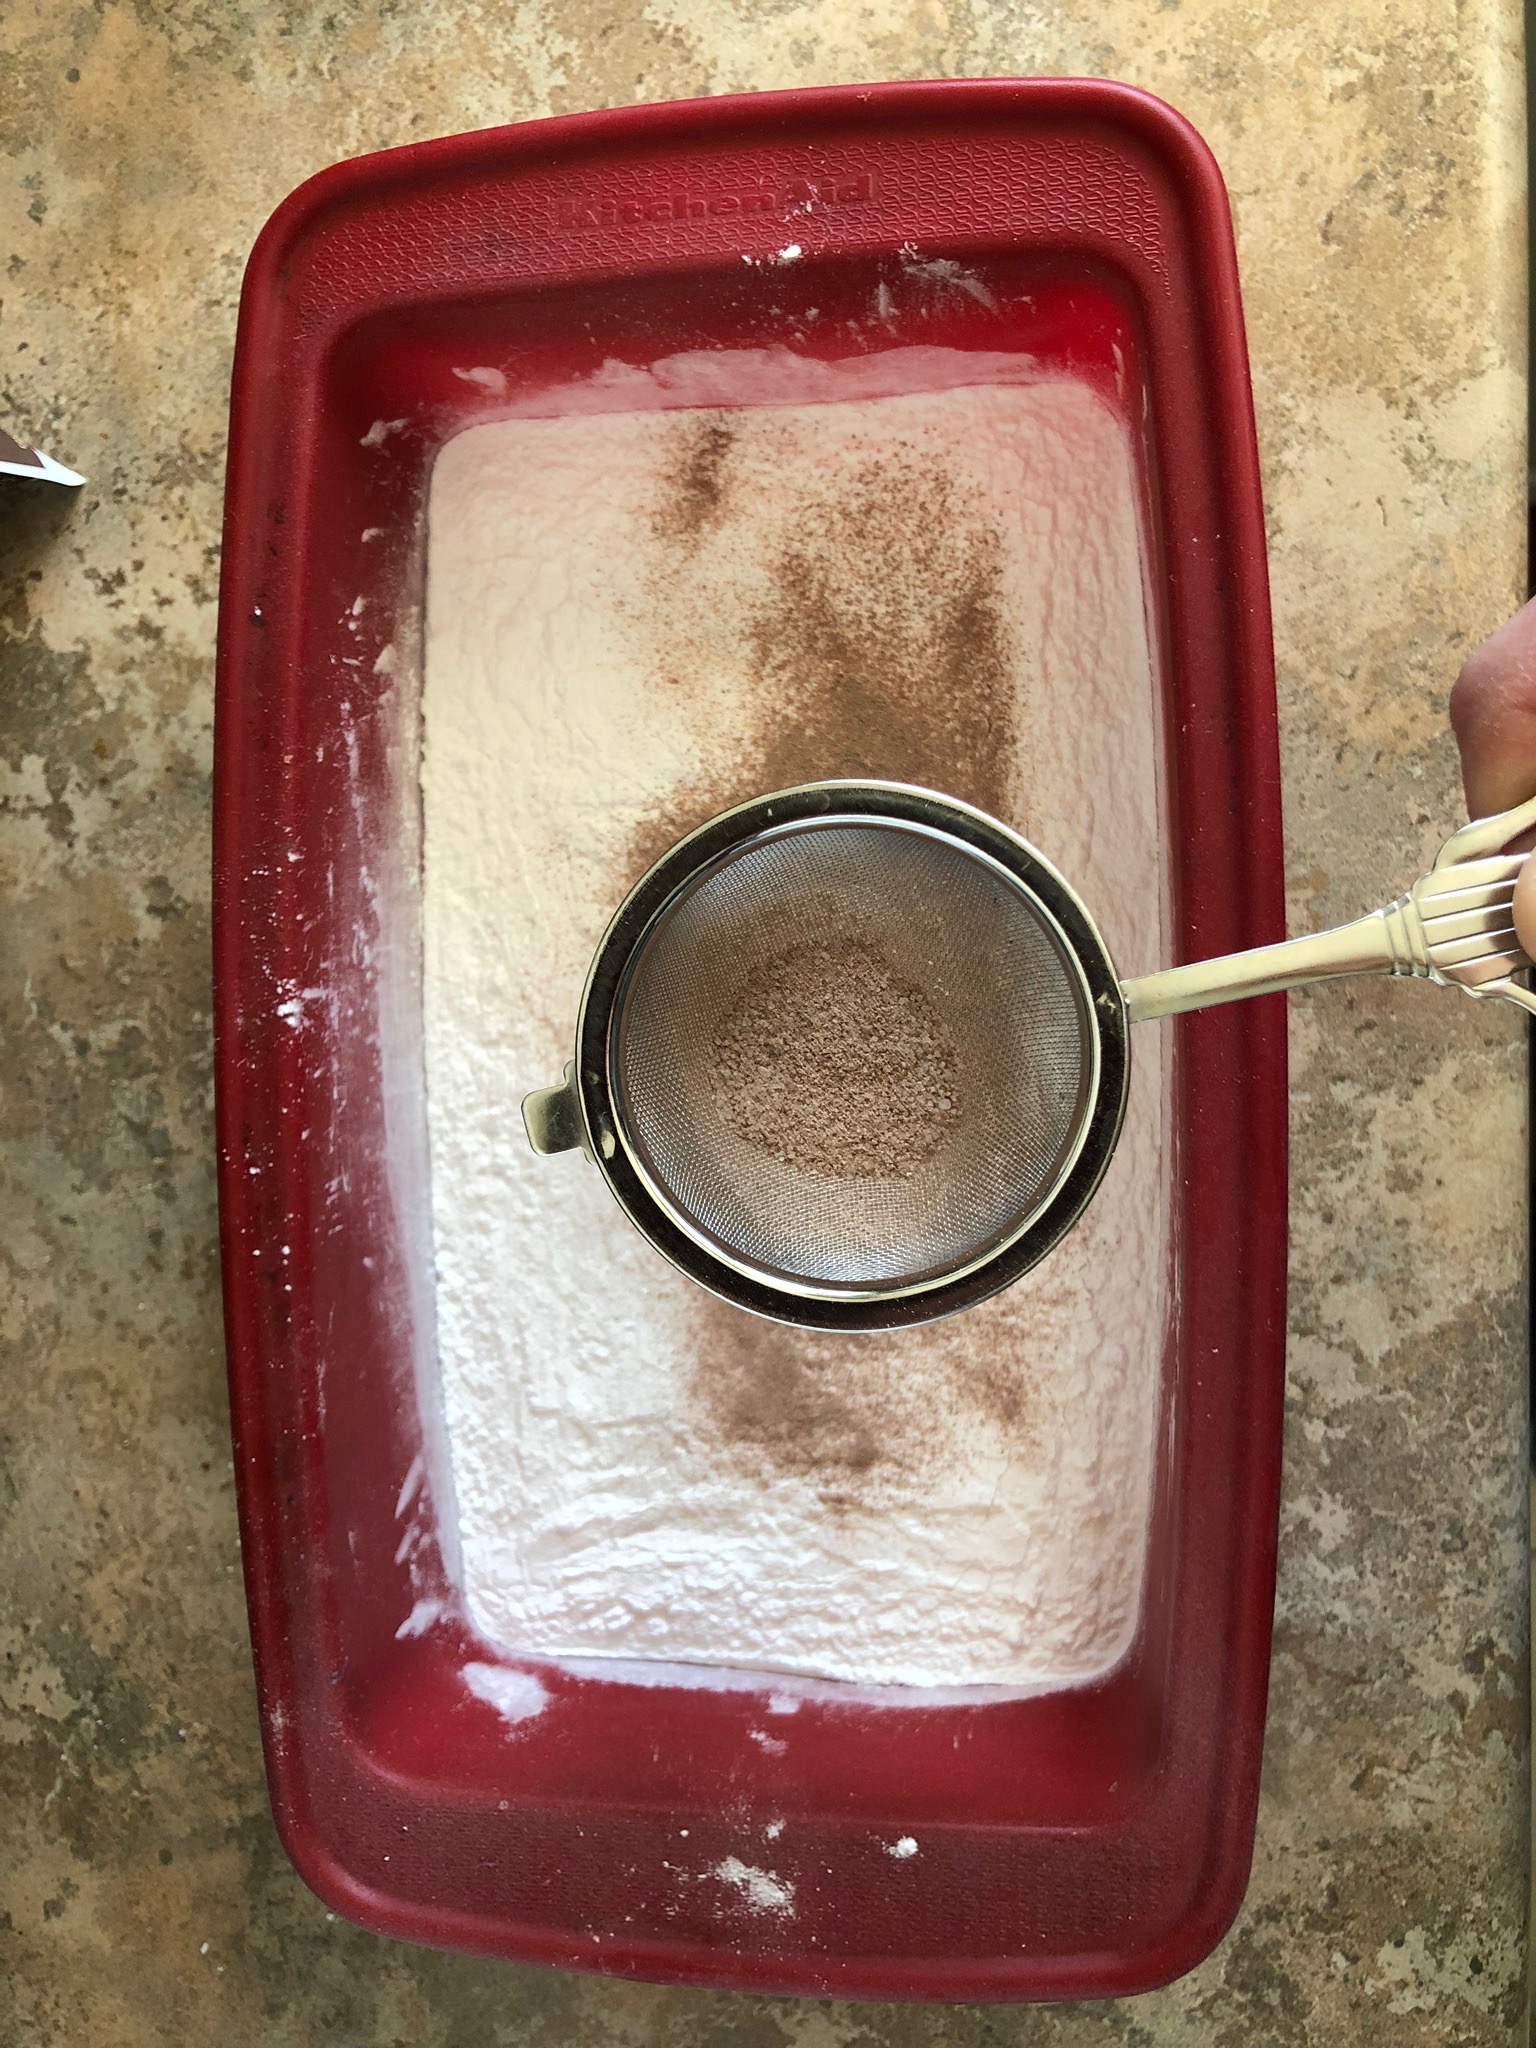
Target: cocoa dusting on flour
(839,1415)
(832,1066)
(876,645)
(848,1416)
(696,486)
(885,650)
(772,1395)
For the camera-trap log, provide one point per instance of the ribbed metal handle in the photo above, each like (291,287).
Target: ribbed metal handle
(1371,945)
(1455,927)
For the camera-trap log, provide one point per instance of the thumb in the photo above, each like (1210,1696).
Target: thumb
(1493,715)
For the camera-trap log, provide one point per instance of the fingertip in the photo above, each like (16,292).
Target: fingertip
(1493,715)
(1525,908)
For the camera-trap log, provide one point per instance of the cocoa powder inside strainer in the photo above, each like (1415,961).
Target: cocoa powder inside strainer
(833,1065)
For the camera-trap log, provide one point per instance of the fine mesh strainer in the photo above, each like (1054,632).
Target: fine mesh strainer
(854,1055)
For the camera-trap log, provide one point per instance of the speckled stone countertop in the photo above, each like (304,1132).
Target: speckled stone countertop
(1374,154)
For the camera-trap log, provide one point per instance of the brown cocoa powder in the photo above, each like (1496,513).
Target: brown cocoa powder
(695,485)
(771,1391)
(836,1414)
(832,1066)
(846,1415)
(881,650)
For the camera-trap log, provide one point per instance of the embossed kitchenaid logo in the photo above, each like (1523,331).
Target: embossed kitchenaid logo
(775,201)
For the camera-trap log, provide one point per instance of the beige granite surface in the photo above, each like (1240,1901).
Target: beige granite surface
(1374,153)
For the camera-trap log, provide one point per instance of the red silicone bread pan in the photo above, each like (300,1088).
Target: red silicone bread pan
(1080,1843)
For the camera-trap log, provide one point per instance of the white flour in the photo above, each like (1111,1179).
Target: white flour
(634,618)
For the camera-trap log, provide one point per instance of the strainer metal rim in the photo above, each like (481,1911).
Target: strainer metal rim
(908,807)
(711,1242)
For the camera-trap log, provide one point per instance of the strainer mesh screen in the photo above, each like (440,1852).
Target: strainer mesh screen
(852,1055)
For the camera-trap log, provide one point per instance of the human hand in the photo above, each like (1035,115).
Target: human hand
(1493,715)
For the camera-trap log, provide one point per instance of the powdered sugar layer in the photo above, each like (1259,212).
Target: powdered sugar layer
(641,1473)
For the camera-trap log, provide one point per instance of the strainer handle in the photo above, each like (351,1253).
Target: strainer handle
(552,1117)
(1454,927)
(1364,947)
